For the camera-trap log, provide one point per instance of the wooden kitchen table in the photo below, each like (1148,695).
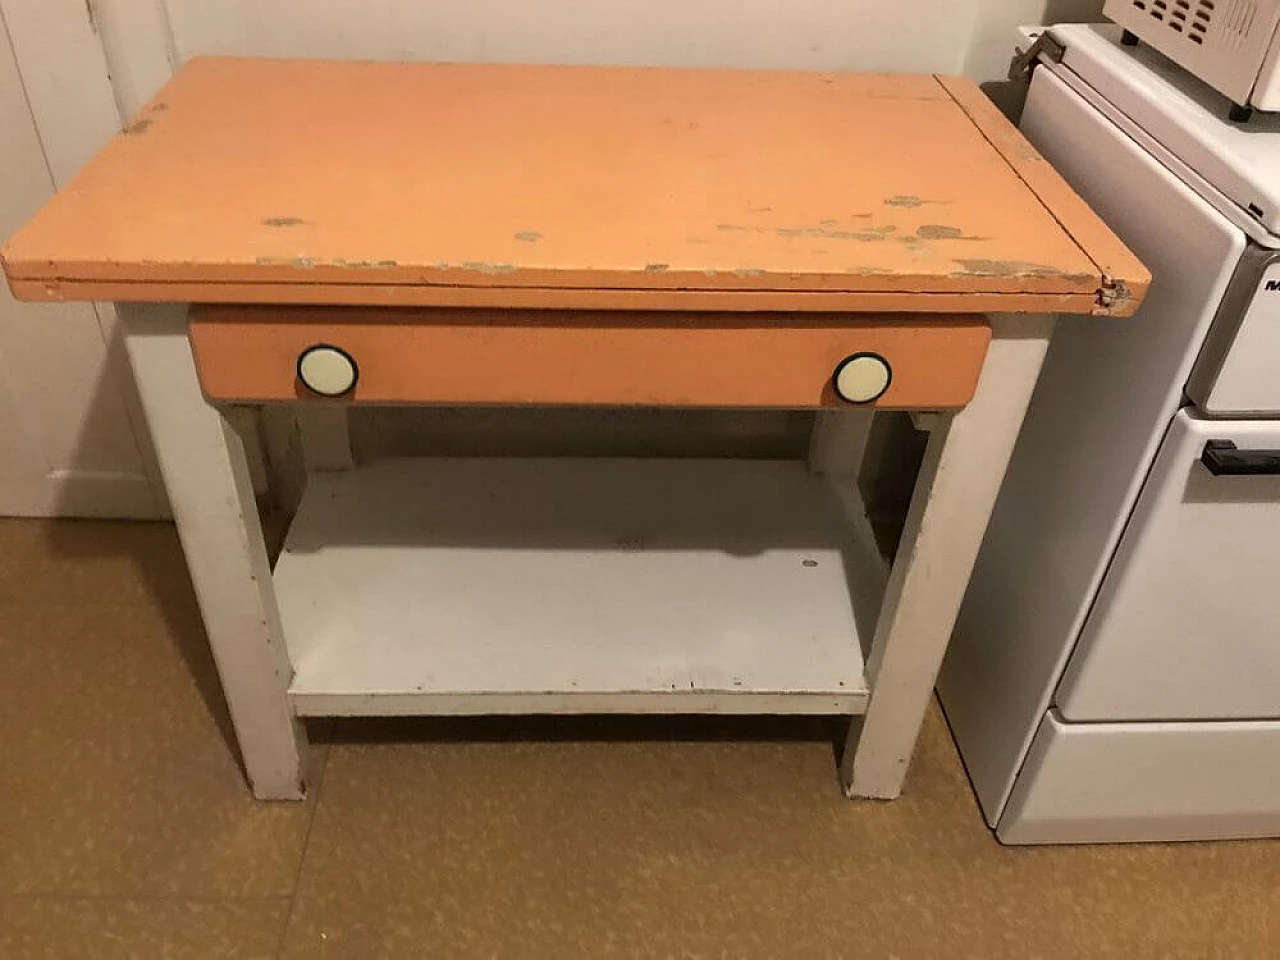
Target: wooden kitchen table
(386,233)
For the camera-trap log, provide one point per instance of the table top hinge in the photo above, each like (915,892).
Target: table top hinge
(1024,61)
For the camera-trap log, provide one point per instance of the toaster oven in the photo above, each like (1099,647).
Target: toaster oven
(1232,45)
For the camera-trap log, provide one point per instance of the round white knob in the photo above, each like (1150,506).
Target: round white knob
(327,370)
(862,377)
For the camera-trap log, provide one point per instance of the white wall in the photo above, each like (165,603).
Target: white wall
(990,45)
(939,36)
(72,440)
(831,34)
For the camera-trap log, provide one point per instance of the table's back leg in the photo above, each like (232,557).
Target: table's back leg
(299,439)
(961,475)
(202,459)
(326,443)
(838,443)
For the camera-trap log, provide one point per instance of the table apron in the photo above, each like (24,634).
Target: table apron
(935,362)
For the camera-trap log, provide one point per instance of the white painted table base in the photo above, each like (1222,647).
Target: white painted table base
(209,483)
(960,477)
(202,460)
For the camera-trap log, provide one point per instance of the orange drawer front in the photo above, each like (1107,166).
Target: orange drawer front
(509,357)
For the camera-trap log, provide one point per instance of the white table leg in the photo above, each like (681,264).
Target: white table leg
(959,479)
(838,443)
(326,444)
(202,459)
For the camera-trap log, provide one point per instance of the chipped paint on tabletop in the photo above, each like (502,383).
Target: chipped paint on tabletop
(483,266)
(825,230)
(1010,268)
(364,264)
(938,231)
(302,263)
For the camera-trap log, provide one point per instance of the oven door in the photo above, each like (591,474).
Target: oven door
(1235,374)
(1187,622)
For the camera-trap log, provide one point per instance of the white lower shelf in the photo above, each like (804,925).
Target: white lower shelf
(481,586)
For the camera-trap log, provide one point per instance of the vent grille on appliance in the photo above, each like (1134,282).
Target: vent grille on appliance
(1194,19)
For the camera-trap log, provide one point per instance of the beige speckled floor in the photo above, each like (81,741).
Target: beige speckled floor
(126,831)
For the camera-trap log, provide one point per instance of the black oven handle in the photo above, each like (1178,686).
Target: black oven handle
(1223,459)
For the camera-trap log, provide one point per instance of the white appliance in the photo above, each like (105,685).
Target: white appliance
(1115,671)
(1232,45)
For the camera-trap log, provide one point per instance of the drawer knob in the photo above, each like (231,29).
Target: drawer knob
(862,377)
(327,370)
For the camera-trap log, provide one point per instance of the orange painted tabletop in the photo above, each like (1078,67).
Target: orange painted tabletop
(278,181)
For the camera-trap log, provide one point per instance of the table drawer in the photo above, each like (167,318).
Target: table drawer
(271,354)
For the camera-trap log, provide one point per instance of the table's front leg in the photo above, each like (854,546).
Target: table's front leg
(961,475)
(203,462)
